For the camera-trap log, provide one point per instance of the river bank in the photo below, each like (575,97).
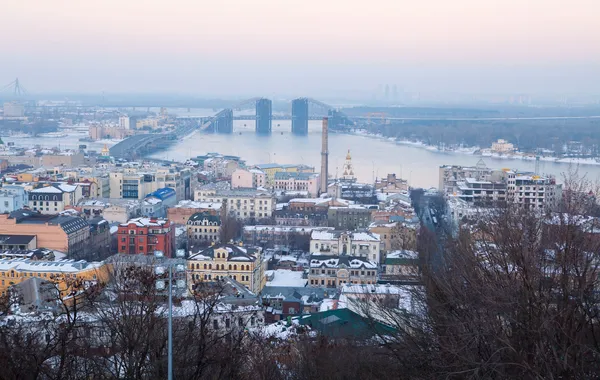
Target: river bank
(479,152)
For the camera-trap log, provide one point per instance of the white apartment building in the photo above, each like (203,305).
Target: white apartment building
(361,244)
(124,122)
(532,191)
(241,203)
(53,198)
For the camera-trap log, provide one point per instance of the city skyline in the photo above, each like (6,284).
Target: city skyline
(230,48)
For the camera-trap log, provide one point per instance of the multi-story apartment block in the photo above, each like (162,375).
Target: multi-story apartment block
(358,244)
(279,236)
(54,198)
(297,181)
(332,271)
(241,203)
(176,178)
(244,265)
(349,218)
(248,179)
(68,234)
(132,183)
(450,175)
(532,191)
(481,192)
(203,229)
(144,236)
(85,175)
(300,218)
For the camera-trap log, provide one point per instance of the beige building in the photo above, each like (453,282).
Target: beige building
(332,271)
(99,132)
(241,203)
(152,123)
(271,169)
(249,179)
(395,235)
(297,182)
(502,146)
(15,271)
(532,191)
(203,229)
(244,265)
(339,243)
(67,234)
(391,185)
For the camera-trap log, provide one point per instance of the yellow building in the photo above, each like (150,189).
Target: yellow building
(244,265)
(271,169)
(64,273)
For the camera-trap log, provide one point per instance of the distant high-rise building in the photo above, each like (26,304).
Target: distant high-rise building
(387,92)
(124,122)
(14,109)
(300,116)
(264,116)
(395,93)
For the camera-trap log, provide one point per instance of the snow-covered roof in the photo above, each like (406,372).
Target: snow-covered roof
(329,261)
(327,234)
(403,254)
(285,277)
(146,222)
(152,201)
(60,266)
(47,190)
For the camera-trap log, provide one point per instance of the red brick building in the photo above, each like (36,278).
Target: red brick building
(143,236)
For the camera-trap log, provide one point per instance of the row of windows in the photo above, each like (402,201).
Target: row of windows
(205,237)
(206,230)
(221,267)
(44,198)
(332,272)
(340,282)
(209,277)
(42,203)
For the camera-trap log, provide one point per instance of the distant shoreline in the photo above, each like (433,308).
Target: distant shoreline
(472,151)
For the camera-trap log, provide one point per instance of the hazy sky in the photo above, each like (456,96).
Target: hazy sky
(265,47)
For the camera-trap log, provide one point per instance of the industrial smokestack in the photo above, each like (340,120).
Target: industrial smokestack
(324,157)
